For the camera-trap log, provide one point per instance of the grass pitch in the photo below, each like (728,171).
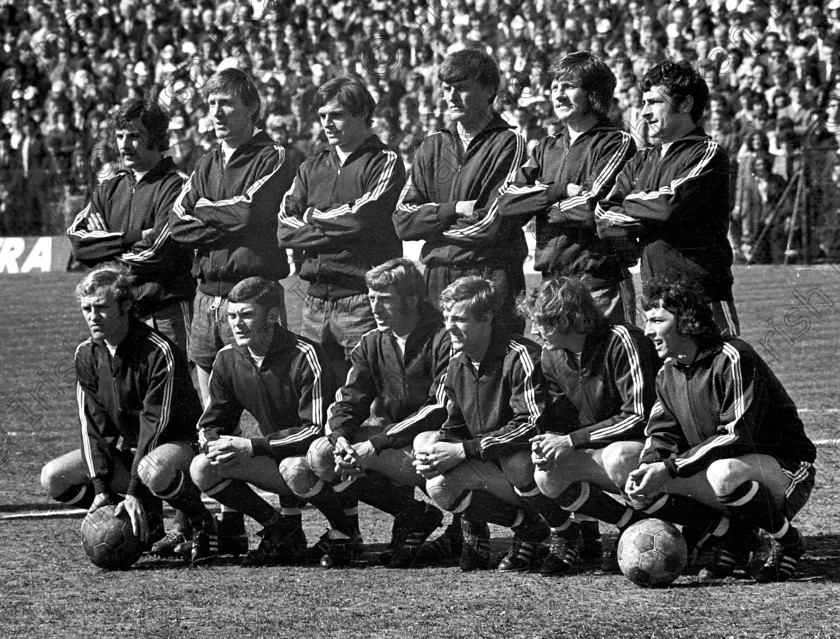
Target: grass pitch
(792,316)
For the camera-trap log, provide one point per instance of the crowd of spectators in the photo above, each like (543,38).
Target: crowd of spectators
(64,64)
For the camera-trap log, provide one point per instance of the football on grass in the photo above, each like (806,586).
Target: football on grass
(109,541)
(652,553)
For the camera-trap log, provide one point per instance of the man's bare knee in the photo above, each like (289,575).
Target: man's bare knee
(519,469)
(725,475)
(202,472)
(426,439)
(549,485)
(620,459)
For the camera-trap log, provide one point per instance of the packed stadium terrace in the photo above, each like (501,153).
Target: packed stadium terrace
(771,68)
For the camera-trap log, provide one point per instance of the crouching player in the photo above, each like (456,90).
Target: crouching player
(600,380)
(723,433)
(478,464)
(138,411)
(393,392)
(284,381)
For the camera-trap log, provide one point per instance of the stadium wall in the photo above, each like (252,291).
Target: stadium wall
(52,253)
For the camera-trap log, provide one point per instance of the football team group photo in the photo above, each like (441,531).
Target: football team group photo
(392,303)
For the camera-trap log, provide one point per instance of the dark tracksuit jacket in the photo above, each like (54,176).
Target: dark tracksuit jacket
(444,173)
(726,403)
(159,267)
(676,209)
(495,409)
(228,213)
(608,396)
(140,398)
(287,395)
(567,241)
(340,215)
(406,392)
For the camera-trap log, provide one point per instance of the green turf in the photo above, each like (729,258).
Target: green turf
(49,589)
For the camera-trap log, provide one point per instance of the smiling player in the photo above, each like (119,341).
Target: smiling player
(723,437)
(451,197)
(672,200)
(565,177)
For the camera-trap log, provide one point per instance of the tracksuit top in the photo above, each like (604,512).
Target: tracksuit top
(288,394)
(726,403)
(406,393)
(340,215)
(496,408)
(140,398)
(608,396)
(676,207)
(444,173)
(159,267)
(567,241)
(228,213)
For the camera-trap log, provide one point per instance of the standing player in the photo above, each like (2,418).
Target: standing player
(479,464)
(138,410)
(565,177)
(127,219)
(723,434)
(281,379)
(451,197)
(393,392)
(600,380)
(672,199)
(227,213)
(338,212)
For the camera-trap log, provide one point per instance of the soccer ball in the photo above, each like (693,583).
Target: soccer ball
(652,553)
(109,541)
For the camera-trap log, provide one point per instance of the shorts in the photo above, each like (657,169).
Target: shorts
(175,322)
(210,331)
(337,325)
(802,476)
(509,282)
(616,300)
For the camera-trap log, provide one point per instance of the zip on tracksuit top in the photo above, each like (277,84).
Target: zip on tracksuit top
(228,213)
(443,174)
(495,409)
(567,241)
(140,398)
(608,396)
(287,395)
(159,267)
(677,205)
(340,215)
(726,403)
(406,392)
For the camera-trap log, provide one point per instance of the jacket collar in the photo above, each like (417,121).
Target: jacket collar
(496,123)
(164,167)
(370,143)
(603,124)
(498,348)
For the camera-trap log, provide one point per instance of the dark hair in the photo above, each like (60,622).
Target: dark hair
(112,276)
(687,303)
(237,84)
(402,274)
(593,75)
(680,80)
(480,293)
(565,304)
(151,116)
(470,64)
(350,93)
(265,293)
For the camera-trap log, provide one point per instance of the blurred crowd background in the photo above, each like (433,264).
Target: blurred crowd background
(773,69)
